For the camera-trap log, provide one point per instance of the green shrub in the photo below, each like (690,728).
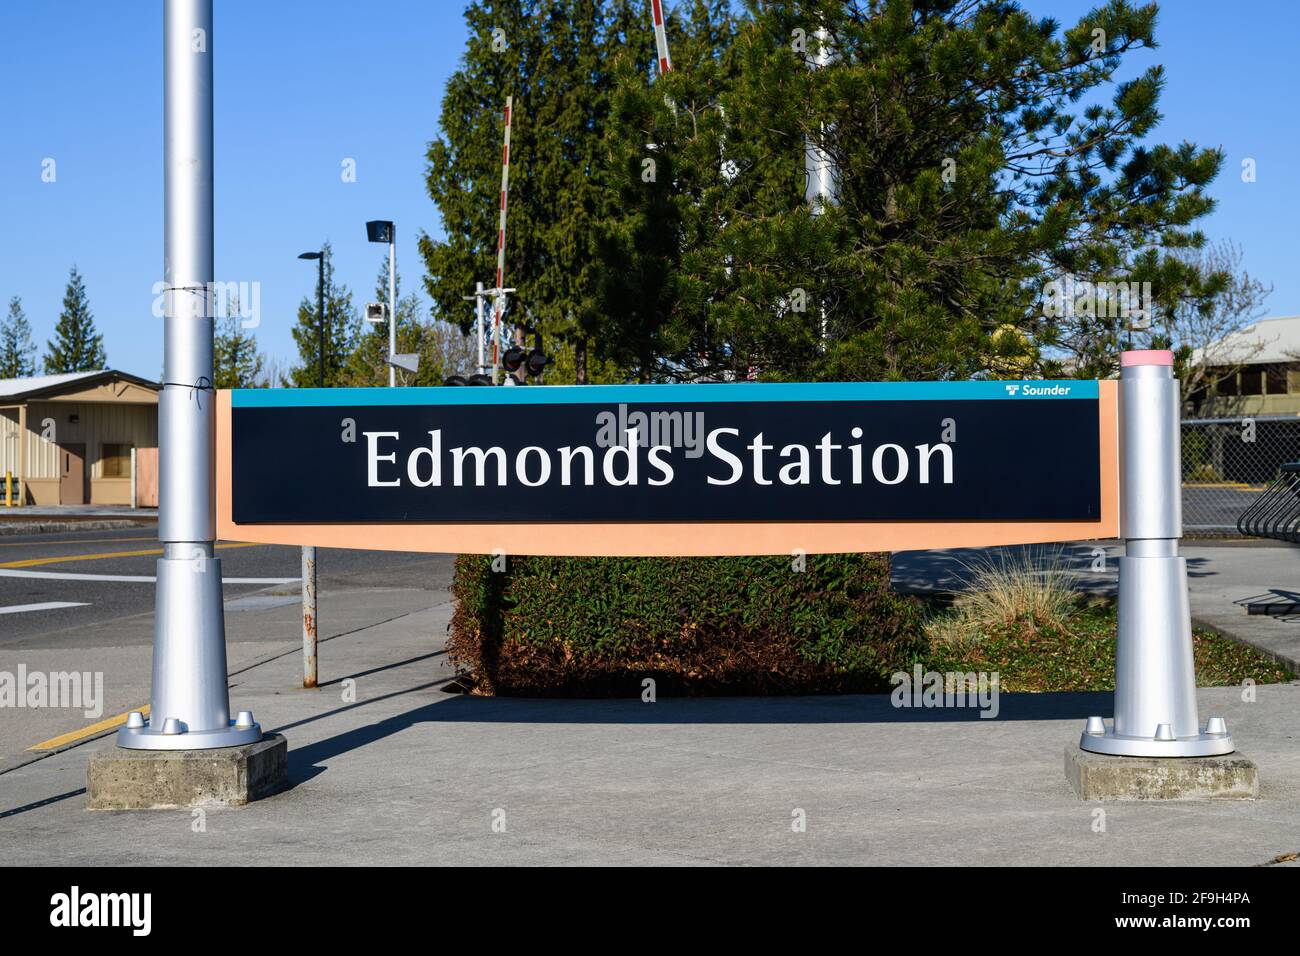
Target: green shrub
(600,626)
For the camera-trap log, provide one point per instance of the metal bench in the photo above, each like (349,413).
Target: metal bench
(1276,514)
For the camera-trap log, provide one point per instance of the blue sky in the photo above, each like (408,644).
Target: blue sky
(302,86)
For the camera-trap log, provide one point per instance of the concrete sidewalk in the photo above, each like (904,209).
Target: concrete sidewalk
(1222,577)
(407,773)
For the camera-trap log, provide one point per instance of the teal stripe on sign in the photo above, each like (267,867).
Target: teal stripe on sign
(666,394)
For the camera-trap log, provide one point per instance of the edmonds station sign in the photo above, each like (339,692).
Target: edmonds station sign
(670,469)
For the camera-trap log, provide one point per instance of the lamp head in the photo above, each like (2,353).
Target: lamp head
(379,230)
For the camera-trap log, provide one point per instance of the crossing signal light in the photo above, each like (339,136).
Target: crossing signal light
(479,379)
(513,358)
(536,362)
(455,380)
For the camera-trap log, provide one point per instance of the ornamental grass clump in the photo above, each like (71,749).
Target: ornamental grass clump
(1026,590)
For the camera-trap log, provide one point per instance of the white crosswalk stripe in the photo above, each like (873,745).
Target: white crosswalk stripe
(45,606)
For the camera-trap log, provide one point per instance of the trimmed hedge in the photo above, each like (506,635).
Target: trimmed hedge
(599,626)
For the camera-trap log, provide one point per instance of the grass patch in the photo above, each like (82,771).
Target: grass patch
(1076,652)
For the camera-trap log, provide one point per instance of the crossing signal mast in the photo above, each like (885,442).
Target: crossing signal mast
(661,37)
(514,357)
(482,293)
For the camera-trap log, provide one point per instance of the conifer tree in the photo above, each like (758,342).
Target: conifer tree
(76,346)
(557,59)
(236,360)
(17,350)
(969,178)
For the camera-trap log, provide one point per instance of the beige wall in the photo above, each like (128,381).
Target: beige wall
(98,423)
(1247,405)
(110,491)
(43,491)
(8,441)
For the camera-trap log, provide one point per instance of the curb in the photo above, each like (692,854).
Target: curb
(1270,653)
(37,526)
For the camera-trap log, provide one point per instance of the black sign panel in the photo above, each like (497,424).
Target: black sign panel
(980,451)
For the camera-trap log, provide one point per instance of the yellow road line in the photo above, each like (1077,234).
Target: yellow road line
(33,562)
(28,544)
(89,731)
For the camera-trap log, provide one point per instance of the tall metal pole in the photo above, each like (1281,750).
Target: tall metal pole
(499,303)
(190,706)
(310,617)
(1155,674)
(478,305)
(822,178)
(320,319)
(392,306)
(822,189)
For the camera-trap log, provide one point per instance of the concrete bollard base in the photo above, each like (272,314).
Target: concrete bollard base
(119,779)
(1103,777)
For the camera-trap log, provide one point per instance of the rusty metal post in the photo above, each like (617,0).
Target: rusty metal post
(309,618)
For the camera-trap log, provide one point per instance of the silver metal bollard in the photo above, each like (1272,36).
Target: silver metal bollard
(190,708)
(1155,675)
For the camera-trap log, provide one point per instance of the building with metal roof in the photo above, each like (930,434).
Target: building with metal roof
(79,438)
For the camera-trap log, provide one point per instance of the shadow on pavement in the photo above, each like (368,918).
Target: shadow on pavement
(41,803)
(305,762)
(950,571)
(383,667)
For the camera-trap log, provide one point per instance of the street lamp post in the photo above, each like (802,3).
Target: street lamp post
(381,230)
(320,311)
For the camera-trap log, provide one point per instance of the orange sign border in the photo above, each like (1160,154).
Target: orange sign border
(659,539)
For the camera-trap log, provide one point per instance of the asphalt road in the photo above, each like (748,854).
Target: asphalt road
(1215,509)
(52,589)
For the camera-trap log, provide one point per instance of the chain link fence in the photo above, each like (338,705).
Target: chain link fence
(1227,463)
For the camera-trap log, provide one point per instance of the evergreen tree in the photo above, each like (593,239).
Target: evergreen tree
(342,327)
(236,360)
(558,64)
(17,350)
(968,181)
(671,163)
(76,346)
